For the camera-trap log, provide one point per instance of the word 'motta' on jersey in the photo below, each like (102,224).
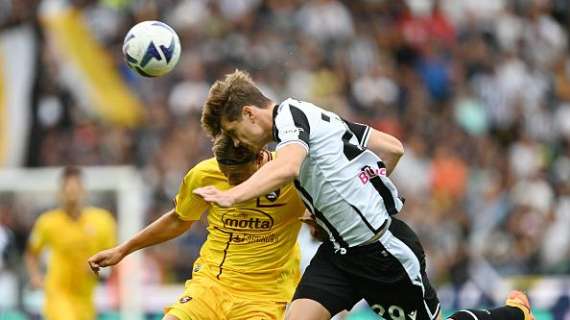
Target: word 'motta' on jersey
(254,220)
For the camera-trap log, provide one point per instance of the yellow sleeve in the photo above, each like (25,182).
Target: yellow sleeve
(39,235)
(188,205)
(109,231)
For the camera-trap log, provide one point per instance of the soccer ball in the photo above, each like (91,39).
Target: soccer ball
(151,48)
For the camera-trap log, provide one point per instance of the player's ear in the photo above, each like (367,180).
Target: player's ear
(248,112)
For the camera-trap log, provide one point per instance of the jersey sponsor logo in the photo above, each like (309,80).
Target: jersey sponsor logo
(248,220)
(293,131)
(254,238)
(368,173)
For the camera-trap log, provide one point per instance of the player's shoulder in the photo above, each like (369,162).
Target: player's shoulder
(99,215)
(203,173)
(205,168)
(95,211)
(299,107)
(50,215)
(288,103)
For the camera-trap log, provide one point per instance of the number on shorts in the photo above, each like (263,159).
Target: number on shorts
(394,312)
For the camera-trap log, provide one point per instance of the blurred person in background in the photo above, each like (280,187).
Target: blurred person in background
(71,234)
(250,263)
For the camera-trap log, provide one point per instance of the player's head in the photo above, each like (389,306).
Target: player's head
(237,163)
(236,107)
(72,191)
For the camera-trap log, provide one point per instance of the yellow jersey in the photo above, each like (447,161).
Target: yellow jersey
(70,243)
(252,247)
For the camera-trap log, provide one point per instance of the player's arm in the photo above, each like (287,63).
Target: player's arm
(388,147)
(188,208)
(33,267)
(37,241)
(271,176)
(168,226)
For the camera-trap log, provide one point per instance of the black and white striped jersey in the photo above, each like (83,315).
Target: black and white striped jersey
(341,182)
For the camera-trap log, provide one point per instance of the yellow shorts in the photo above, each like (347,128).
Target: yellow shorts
(68,307)
(204,299)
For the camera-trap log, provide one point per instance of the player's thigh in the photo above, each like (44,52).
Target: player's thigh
(307,309)
(257,310)
(84,308)
(202,299)
(392,277)
(323,287)
(58,307)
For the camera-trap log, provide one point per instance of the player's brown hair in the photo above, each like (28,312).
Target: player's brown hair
(71,172)
(227,98)
(228,154)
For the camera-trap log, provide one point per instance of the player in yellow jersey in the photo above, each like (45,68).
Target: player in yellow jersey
(249,265)
(71,234)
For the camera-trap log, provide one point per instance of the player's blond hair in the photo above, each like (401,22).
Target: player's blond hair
(227,98)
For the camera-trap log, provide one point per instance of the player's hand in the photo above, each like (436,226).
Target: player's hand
(212,194)
(36,281)
(307,218)
(316,231)
(105,258)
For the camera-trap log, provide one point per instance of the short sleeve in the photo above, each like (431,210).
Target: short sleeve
(39,235)
(188,205)
(361,131)
(109,231)
(290,125)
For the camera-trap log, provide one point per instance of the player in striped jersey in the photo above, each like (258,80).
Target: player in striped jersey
(340,170)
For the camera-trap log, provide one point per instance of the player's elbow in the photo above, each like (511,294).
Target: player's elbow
(393,146)
(291,170)
(397,148)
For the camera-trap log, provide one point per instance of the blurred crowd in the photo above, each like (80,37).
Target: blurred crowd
(478,91)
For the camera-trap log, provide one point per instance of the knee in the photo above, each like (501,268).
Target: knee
(306,309)
(463,315)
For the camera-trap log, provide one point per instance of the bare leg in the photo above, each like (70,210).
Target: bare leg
(516,307)
(307,309)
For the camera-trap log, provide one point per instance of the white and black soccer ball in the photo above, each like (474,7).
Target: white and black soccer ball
(151,48)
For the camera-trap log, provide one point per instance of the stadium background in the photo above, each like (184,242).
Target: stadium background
(478,90)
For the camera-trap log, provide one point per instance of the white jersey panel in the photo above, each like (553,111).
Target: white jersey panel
(343,183)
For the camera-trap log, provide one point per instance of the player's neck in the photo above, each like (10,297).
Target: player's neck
(266,123)
(72,210)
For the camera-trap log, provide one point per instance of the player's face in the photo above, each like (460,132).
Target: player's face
(245,131)
(237,174)
(72,191)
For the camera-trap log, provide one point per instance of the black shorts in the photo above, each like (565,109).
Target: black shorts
(389,274)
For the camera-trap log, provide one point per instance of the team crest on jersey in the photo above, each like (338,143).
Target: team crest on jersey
(273,196)
(185,299)
(197,267)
